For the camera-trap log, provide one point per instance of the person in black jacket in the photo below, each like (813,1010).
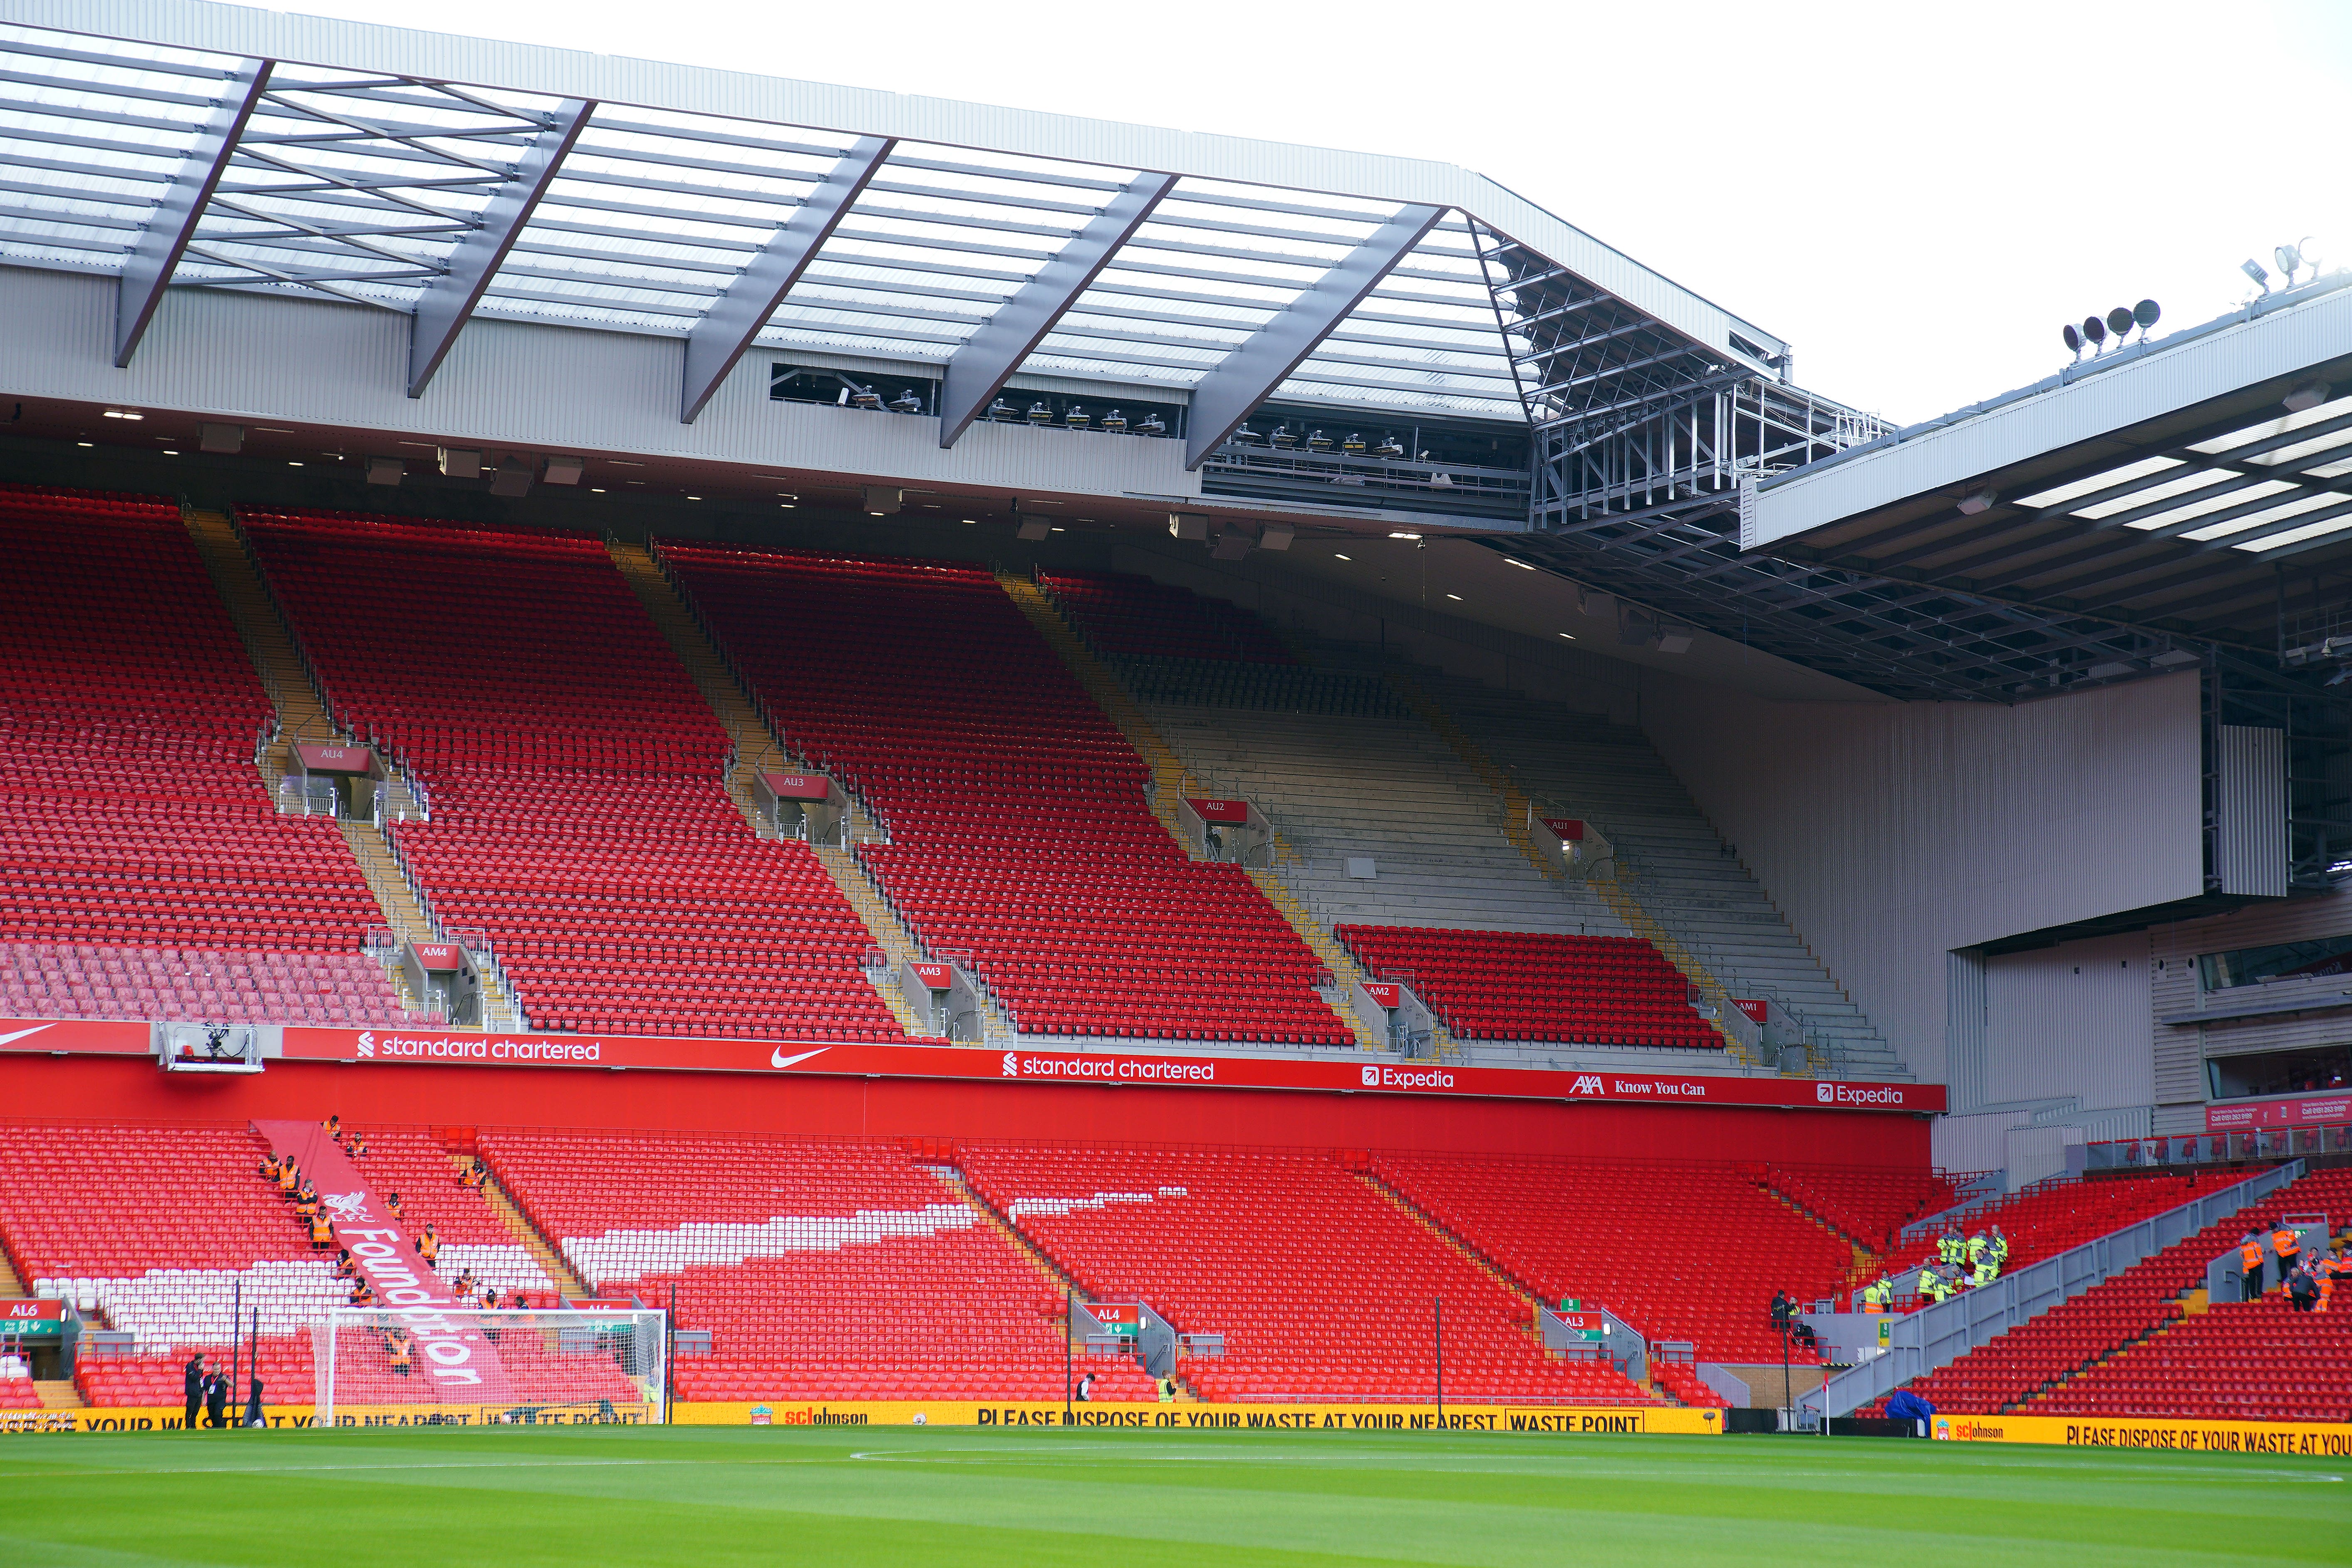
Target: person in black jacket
(217,1401)
(192,1385)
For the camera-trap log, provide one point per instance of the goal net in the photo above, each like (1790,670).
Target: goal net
(407,1366)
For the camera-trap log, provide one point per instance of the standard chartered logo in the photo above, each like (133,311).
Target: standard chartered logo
(1012,1064)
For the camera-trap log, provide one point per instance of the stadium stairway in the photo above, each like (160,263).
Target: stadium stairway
(758,748)
(293,690)
(1172,781)
(529,1236)
(1673,869)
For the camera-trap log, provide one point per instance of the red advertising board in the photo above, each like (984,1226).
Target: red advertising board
(1756,1007)
(1236,811)
(78,1036)
(465,1049)
(1569,828)
(1384,993)
(797,787)
(14,1315)
(319,759)
(2303,1111)
(934,976)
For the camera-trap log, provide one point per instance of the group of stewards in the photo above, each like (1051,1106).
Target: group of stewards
(287,1176)
(2308,1275)
(1962,1263)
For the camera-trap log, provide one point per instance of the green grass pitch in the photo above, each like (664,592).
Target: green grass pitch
(938,1498)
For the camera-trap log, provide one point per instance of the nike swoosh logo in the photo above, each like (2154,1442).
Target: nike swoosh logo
(778,1059)
(21,1033)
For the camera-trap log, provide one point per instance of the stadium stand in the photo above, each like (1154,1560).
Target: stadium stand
(474,1239)
(2062,1212)
(1511,986)
(2241,1361)
(1870,1206)
(1323,1293)
(822,1269)
(1019,836)
(1125,616)
(45,981)
(161,1228)
(144,853)
(1682,1251)
(2038,1357)
(578,814)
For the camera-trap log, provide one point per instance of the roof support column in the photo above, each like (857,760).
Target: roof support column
(1250,373)
(450,299)
(147,271)
(990,356)
(736,317)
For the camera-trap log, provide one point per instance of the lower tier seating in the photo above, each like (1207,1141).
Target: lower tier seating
(1872,1207)
(2063,1212)
(821,1270)
(2250,1361)
(1323,1288)
(1682,1252)
(474,1239)
(45,980)
(1525,986)
(2036,1356)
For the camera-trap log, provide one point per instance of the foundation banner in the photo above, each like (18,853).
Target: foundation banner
(2332,1439)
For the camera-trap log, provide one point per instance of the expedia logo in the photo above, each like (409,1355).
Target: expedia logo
(1588,1083)
(1826,1092)
(1846,1094)
(1012,1064)
(1372,1077)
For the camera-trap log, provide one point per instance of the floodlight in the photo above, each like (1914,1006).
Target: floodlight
(2288,259)
(2253,269)
(1246,436)
(1978,501)
(1153,425)
(1114,423)
(865,397)
(2146,314)
(1318,442)
(1039,415)
(1076,418)
(907,403)
(1389,447)
(999,409)
(1285,437)
(1353,445)
(2306,397)
(2120,322)
(2073,336)
(2094,328)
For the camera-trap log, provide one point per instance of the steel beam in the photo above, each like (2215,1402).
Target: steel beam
(448,300)
(990,356)
(736,316)
(147,271)
(1247,375)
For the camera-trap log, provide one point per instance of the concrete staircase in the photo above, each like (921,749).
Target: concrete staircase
(1678,882)
(757,749)
(543,1251)
(1172,781)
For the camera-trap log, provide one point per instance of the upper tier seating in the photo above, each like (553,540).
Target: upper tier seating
(1322,1288)
(1019,832)
(1668,856)
(578,812)
(1123,616)
(2050,1216)
(2126,1306)
(822,1271)
(1682,1251)
(131,815)
(1522,985)
(340,989)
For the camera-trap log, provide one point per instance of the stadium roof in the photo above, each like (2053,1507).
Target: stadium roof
(2193,485)
(175,143)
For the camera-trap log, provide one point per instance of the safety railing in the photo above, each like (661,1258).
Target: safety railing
(1937,1336)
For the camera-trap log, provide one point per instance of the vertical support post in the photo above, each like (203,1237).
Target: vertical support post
(1069,1413)
(669,1352)
(1439,1305)
(237,1338)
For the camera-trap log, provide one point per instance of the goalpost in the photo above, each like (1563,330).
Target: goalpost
(407,1366)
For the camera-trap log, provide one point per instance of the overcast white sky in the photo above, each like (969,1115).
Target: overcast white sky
(1915,195)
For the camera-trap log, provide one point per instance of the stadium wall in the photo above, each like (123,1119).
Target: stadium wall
(1893,834)
(96,1089)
